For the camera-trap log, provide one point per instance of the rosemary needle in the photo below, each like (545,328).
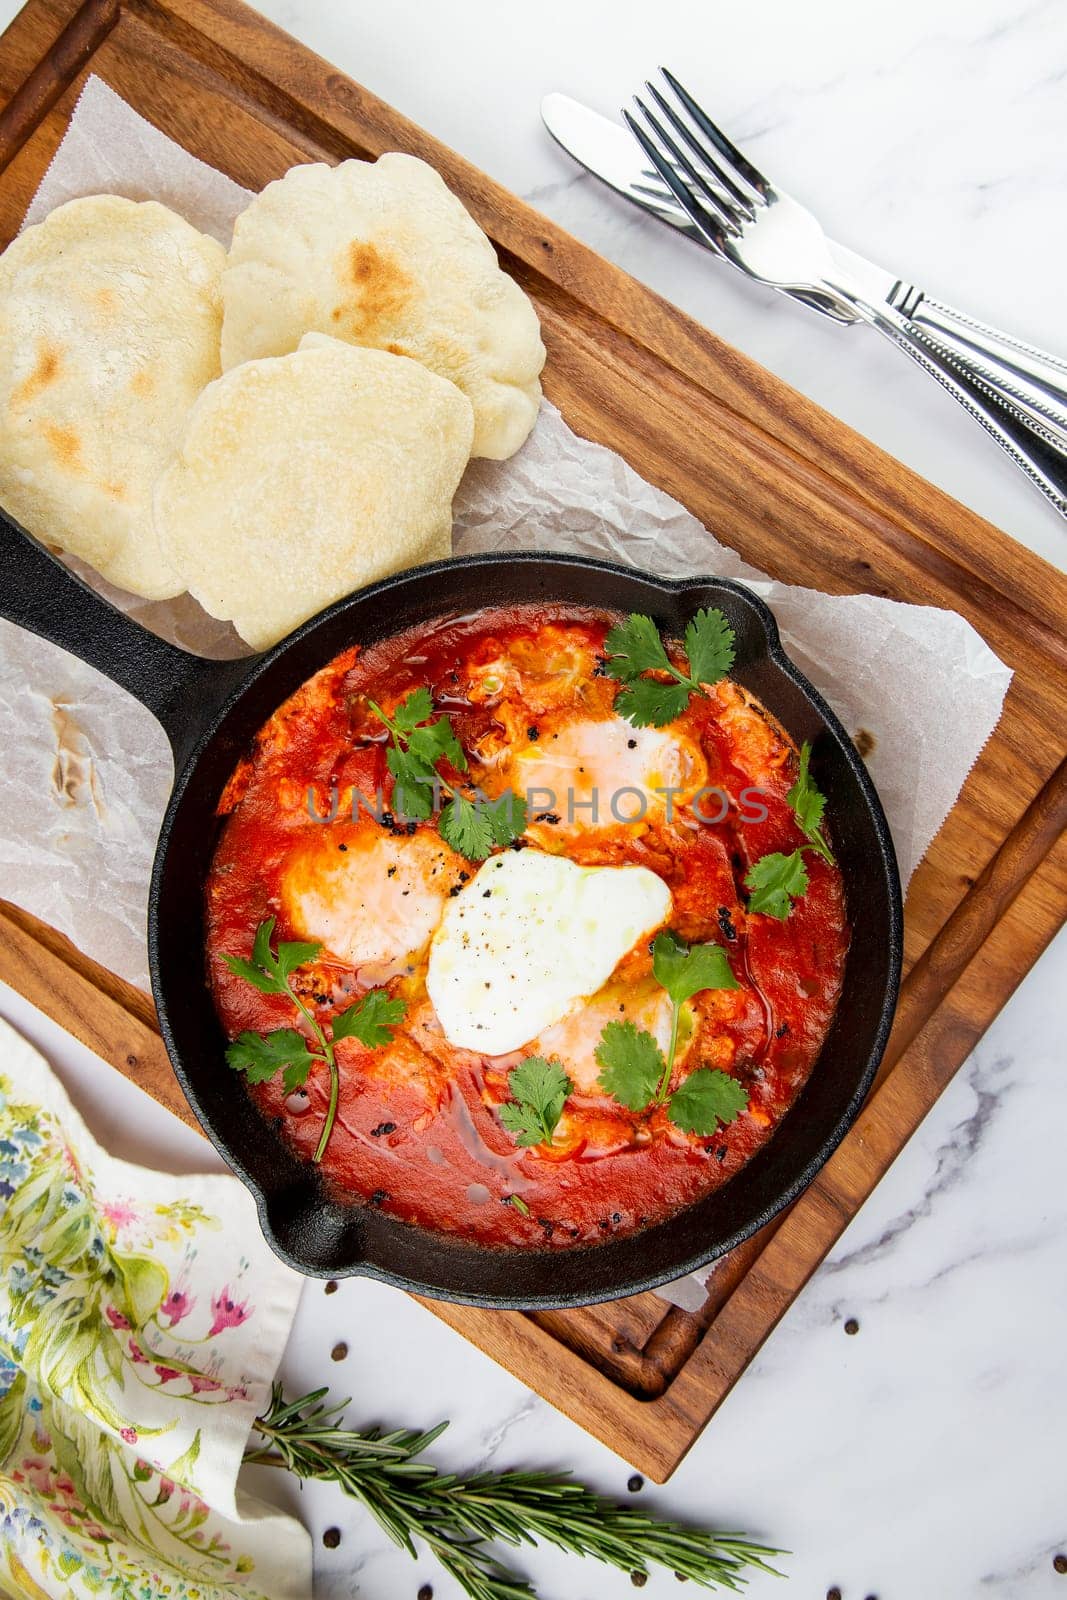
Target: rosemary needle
(457,1516)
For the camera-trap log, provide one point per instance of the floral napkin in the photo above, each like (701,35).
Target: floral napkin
(138,1338)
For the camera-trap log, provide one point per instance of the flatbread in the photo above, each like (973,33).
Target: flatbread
(382,254)
(110,318)
(303,477)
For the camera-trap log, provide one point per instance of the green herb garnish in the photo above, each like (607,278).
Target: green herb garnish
(808,805)
(456,1515)
(707,1100)
(371,1020)
(539,1089)
(635,647)
(775,881)
(259,1056)
(632,1064)
(470,826)
(635,1071)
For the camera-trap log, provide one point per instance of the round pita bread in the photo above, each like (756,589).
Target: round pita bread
(110,317)
(303,477)
(382,254)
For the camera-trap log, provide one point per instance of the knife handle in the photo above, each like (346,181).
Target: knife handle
(1036,453)
(1030,381)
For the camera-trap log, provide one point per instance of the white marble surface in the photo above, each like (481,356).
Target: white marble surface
(922,1458)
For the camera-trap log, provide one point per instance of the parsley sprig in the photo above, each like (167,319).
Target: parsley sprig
(470,826)
(634,647)
(540,1089)
(776,880)
(260,1055)
(809,803)
(635,1071)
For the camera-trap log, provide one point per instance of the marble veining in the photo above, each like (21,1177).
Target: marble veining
(952,1161)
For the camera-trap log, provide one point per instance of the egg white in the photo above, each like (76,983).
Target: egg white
(573,1041)
(529,937)
(598,773)
(371,898)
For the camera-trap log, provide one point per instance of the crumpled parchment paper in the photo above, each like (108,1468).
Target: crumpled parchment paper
(79,814)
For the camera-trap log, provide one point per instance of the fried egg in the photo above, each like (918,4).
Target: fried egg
(371,898)
(529,936)
(573,1041)
(594,774)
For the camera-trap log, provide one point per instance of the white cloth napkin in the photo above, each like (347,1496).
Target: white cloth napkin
(142,1319)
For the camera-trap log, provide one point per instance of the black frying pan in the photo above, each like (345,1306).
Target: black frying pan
(211,710)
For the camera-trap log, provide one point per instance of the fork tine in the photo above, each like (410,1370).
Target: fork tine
(726,148)
(706,196)
(738,195)
(673,153)
(710,226)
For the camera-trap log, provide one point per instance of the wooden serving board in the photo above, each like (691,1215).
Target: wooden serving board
(796,492)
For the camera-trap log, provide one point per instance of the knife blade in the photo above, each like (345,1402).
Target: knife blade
(608,151)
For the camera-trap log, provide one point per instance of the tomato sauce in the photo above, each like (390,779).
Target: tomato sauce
(417,1132)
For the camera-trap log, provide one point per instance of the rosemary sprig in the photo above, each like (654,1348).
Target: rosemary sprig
(457,1516)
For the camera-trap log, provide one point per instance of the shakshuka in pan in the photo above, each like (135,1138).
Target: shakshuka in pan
(526,925)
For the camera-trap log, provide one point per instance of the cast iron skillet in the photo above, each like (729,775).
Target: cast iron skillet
(211,710)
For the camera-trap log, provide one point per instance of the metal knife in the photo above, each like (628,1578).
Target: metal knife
(1017,421)
(608,151)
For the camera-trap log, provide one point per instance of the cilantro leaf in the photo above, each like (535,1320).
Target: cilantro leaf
(295,953)
(632,1063)
(418,707)
(541,1083)
(633,647)
(705,1100)
(265,982)
(648,704)
(413,784)
(296,1073)
(466,828)
(684,970)
(637,1073)
(540,1089)
(808,805)
(266,971)
(709,646)
(451,748)
(262,954)
(371,1020)
(260,1055)
(523,1123)
(471,826)
(437,739)
(775,881)
(506,816)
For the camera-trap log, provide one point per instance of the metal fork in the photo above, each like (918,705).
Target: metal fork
(1018,394)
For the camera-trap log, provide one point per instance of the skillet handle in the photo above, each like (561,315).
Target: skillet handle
(39,593)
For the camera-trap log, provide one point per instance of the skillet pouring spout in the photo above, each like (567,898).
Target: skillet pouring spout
(212,712)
